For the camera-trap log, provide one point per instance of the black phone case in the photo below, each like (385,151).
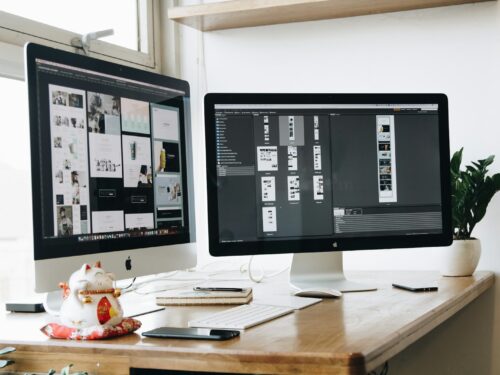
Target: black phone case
(215,334)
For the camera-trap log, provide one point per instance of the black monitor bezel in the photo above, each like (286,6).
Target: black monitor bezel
(217,248)
(52,248)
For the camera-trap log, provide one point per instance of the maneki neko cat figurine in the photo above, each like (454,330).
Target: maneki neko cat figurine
(90,299)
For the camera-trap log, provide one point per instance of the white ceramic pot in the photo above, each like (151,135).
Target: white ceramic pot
(461,258)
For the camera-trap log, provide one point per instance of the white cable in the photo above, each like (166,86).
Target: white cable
(150,279)
(255,279)
(222,262)
(263,275)
(185,282)
(274,274)
(204,277)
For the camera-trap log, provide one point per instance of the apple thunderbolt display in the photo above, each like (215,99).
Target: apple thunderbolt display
(316,174)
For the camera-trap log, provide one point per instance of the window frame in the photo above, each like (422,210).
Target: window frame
(17,30)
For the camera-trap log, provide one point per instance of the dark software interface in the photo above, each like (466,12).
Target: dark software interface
(111,150)
(327,171)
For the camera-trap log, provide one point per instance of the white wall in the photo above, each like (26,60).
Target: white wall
(454,50)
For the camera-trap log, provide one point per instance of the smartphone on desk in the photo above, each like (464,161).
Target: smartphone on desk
(191,333)
(417,286)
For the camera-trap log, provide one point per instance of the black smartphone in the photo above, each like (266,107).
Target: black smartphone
(191,333)
(417,287)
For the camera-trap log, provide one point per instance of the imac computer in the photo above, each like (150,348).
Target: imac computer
(317,174)
(111,168)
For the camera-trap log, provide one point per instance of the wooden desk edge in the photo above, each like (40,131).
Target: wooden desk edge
(349,363)
(117,360)
(420,327)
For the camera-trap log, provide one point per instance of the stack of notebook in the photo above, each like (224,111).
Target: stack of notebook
(205,297)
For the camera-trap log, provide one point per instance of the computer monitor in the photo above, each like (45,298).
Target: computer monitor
(111,167)
(323,173)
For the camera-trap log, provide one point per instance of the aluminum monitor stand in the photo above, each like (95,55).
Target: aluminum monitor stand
(311,271)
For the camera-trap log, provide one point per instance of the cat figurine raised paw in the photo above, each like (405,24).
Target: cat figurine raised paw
(90,299)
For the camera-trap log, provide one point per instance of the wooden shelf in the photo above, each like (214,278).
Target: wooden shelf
(245,13)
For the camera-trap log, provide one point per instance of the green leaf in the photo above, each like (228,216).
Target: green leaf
(5,362)
(456,160)
(65,370)
(488,161)
(496,180)
(485,193)
(7,350)
(477,164)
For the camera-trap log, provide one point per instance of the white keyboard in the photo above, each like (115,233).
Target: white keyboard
(241,317)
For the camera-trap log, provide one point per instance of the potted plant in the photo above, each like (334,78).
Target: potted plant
(471,192)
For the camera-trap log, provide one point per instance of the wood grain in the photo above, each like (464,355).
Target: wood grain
(351,335)
(245,13)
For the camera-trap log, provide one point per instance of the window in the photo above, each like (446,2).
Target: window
(52,23)
(15,190)
(93,15)
(132,21)
(16,269)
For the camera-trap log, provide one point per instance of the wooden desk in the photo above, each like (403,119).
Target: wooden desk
(351,335)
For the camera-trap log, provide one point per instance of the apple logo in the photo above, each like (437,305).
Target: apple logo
(128,264)
(335,245)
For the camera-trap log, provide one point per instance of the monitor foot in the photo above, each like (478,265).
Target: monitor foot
(317,272)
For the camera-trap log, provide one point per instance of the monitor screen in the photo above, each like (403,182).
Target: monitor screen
(108,156)
(308,173)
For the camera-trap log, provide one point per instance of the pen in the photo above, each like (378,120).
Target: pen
(217,289)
